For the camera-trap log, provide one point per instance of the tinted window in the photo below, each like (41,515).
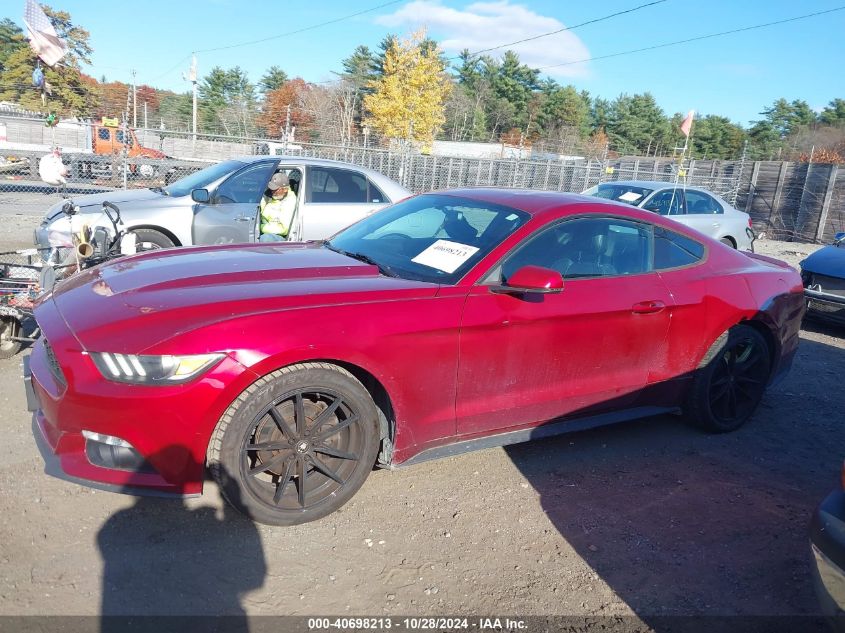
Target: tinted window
(103,134)
(668,202)
(340,186)
(699,202)
(247,185)
(672,250)
(587,247)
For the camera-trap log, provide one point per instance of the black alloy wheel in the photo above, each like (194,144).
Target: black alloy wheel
(296,445)
(731,382)
(301,449)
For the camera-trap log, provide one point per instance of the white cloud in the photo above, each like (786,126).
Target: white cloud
(484,25)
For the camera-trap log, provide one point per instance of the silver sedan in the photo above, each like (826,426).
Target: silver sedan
(219,204)
(697,208)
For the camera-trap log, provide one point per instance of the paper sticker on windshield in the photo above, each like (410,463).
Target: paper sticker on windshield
(630,196)
(445,255)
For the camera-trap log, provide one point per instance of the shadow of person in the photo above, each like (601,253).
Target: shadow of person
(166,563)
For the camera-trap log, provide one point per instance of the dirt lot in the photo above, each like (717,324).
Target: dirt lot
(647,518)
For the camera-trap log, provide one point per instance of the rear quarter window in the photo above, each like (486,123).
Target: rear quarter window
(673,250)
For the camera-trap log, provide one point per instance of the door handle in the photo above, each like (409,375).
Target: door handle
(242,218)
(648,307)
(715,225)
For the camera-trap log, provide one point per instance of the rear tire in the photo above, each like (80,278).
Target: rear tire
(296,445)
(730,381)
(150,239)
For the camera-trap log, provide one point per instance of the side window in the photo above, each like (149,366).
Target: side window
(672,250)
(120,137)
(668,202)
(246,186)
(374,193)
(587,247)
(103,134)
(338,186)
(699,202)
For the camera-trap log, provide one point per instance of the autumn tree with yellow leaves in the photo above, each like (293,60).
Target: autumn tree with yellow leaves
(408,100)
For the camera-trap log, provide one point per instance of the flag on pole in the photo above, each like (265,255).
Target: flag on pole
(686,126)
(42,36)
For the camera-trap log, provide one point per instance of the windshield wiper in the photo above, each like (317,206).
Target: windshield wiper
(159,190)
(382,268)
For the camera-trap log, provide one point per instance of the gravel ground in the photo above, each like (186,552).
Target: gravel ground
(648,518)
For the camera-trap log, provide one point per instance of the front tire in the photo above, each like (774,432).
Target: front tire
(730,381)
(296,445)
(150,239)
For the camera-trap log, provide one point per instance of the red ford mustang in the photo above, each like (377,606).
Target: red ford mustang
(449,321)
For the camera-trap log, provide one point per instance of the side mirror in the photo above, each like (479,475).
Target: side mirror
(200,195)
(838,238)
(531,279)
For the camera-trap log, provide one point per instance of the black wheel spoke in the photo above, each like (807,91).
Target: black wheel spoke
(280,422)
(283,482)
(336,429)
(299,415)
(325,415)
(328,472)
(301,479)
(732,403)
(334,452)
(269,446)
(263,467)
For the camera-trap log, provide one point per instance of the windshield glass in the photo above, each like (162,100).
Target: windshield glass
(202,178)
(630,194)
(433,237)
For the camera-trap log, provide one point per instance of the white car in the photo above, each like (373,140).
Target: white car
(697,208)
(219,204)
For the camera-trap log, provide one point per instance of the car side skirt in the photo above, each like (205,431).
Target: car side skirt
(550,429)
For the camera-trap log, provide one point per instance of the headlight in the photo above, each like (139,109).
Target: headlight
(152,370)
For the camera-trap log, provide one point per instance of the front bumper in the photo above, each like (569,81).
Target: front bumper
(123,437)
(825,305)
(827,542)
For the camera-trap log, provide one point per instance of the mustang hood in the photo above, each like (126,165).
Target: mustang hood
(829,261)
(165,293)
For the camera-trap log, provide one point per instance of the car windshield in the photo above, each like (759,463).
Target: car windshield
(433,237)
(202,178)
(629,194)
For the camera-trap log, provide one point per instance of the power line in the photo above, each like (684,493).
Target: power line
(302,30)
(694,39)
(567,28)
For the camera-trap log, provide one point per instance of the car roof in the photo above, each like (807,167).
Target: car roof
(529,200)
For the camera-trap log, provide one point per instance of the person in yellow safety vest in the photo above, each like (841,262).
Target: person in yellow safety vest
(277,209)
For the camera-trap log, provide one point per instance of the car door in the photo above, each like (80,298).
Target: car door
(529,358)
(704,213)
(231,212)
(334,199)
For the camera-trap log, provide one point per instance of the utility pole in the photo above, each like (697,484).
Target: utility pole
(134,101)
(192,77)
(287,128)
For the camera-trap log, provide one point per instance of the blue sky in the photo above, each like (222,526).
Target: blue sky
(735,75)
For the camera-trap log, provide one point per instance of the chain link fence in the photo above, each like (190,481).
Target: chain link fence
(797,201)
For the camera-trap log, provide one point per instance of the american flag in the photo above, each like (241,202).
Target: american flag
(42,36)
